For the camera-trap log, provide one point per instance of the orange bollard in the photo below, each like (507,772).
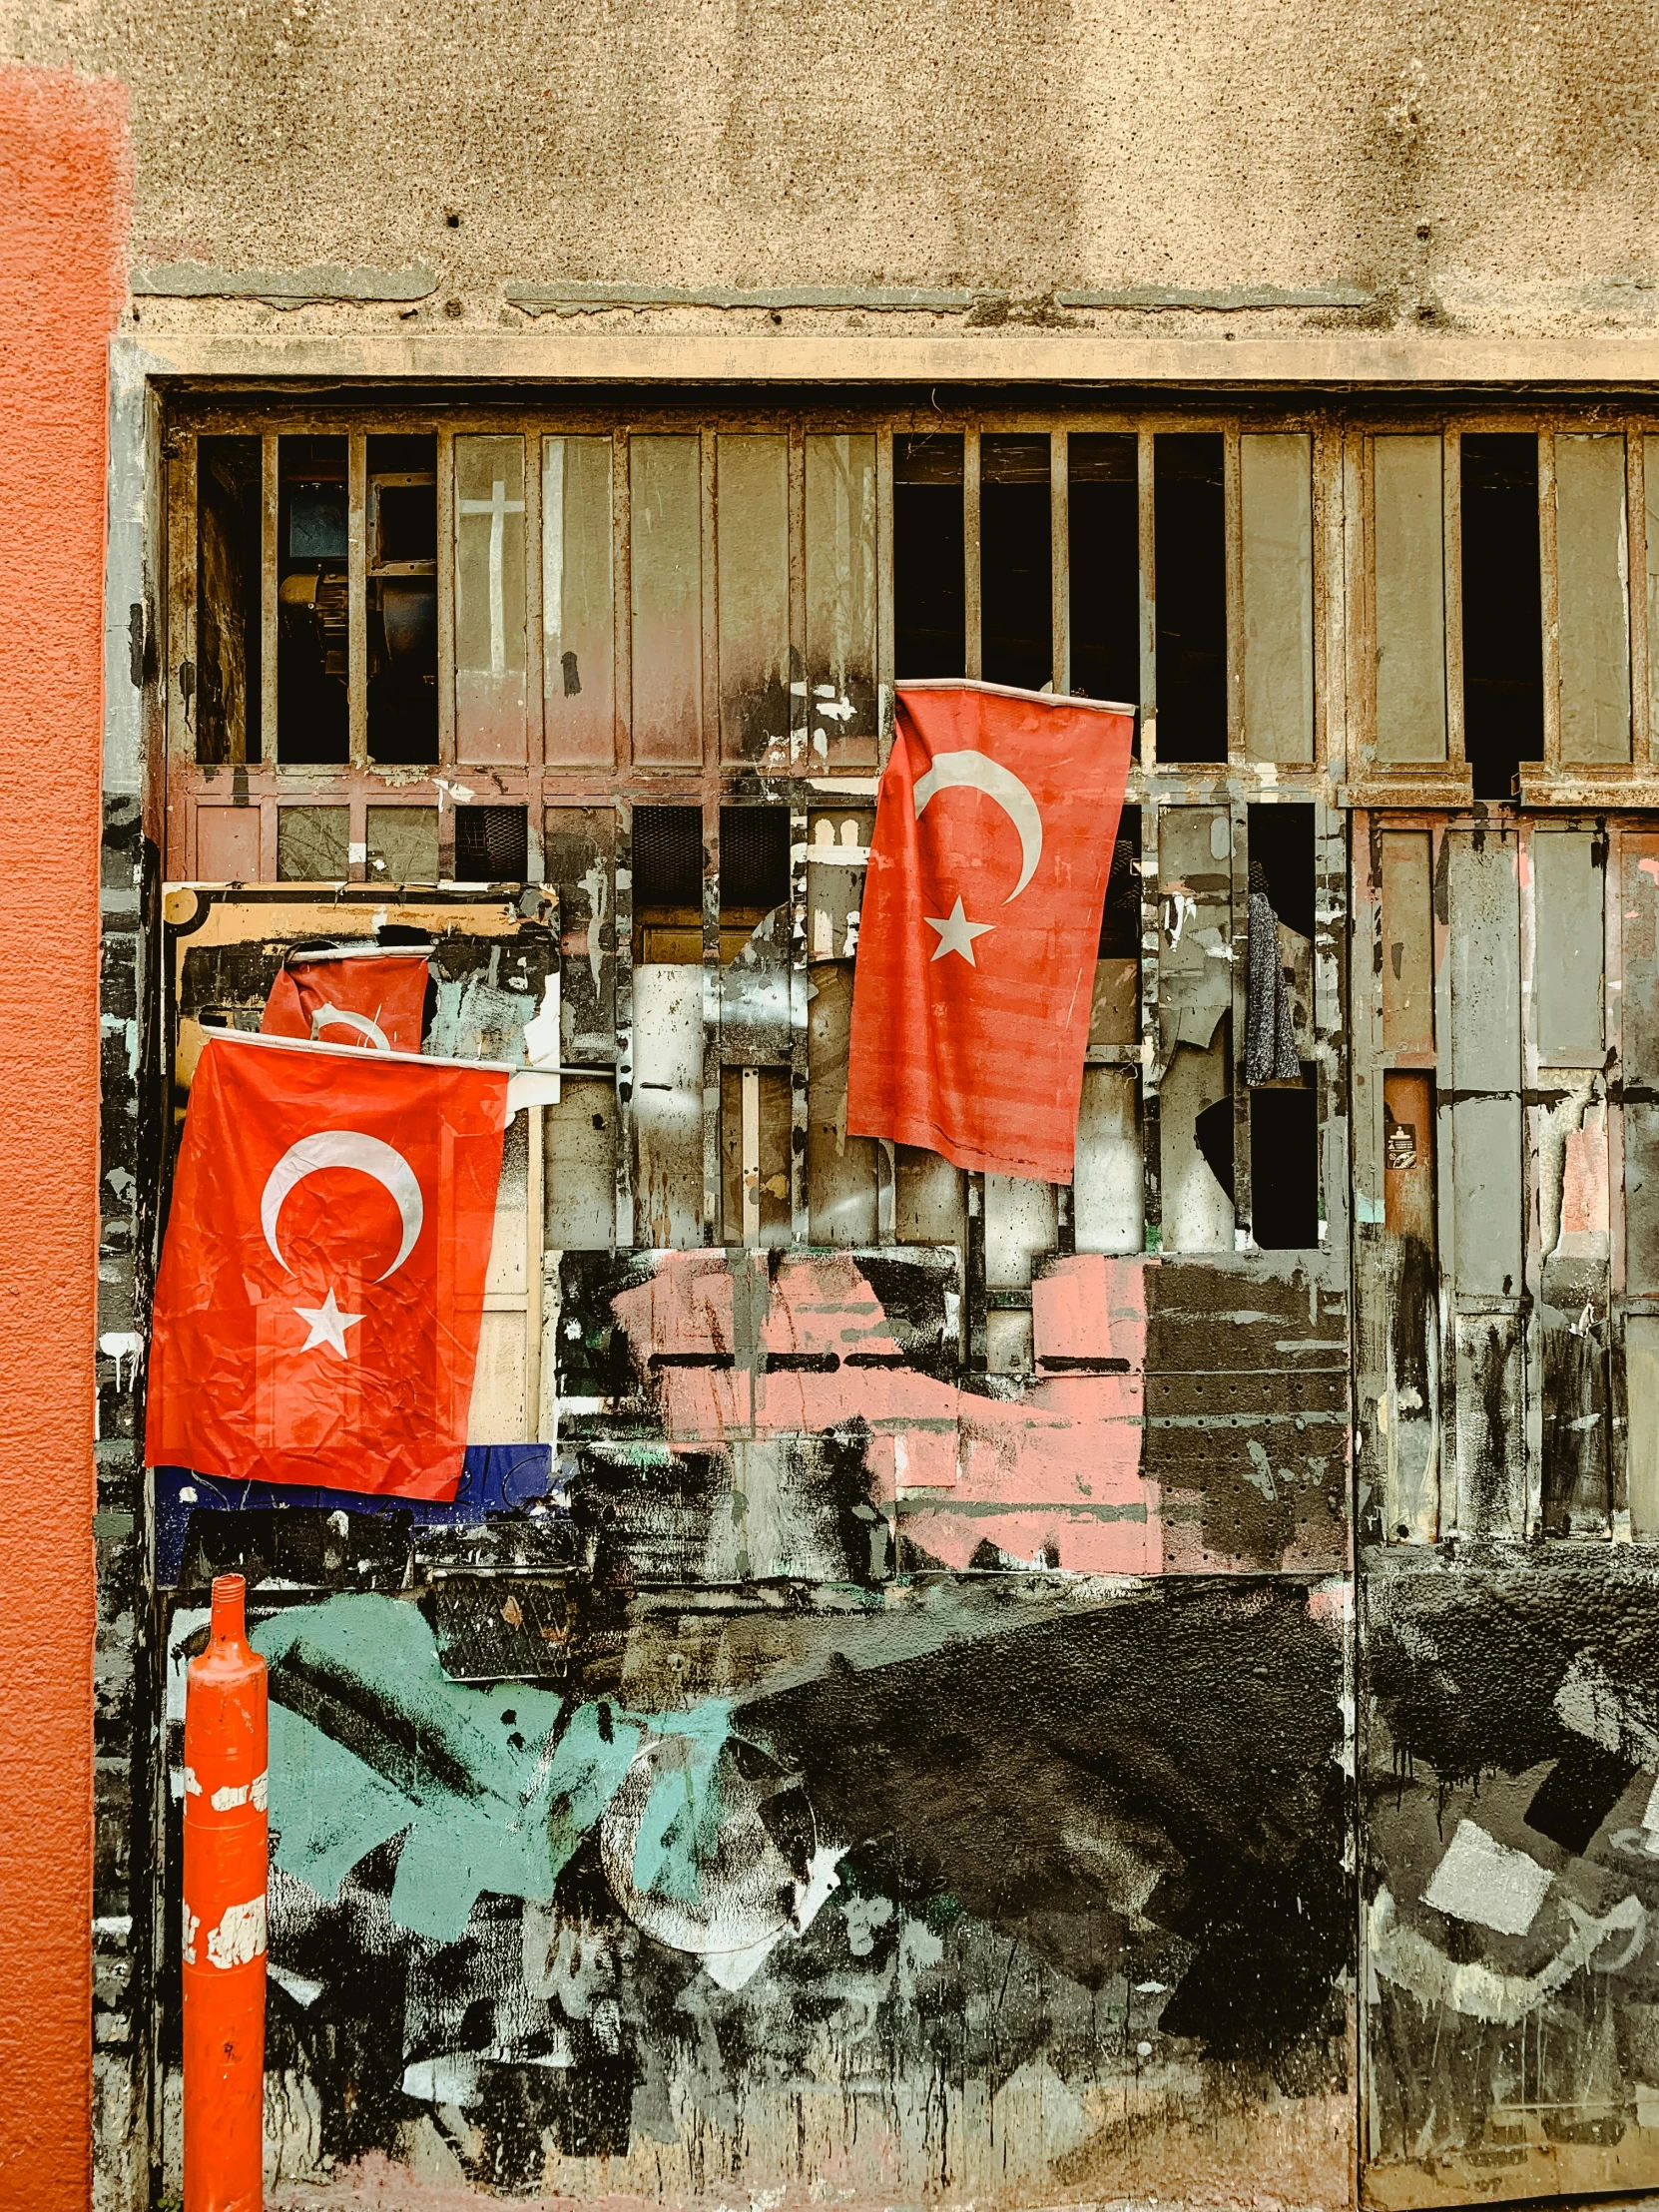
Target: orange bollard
(224,1914)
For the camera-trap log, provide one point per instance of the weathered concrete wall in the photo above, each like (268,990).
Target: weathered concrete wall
(1484,168)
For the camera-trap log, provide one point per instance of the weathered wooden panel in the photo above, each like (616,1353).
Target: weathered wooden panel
(666,565)
(1511,1982)
(578,613)
(1195,1151)
(929,1198)
(498,1415)
(1019,1226)
(1641,1387)
(1486,1196)
(1408,941)
(1639,1045)
(1194,998)
(668,1105)
(579,850)
(579,1181)
(1408,498)
(1570,896)
(1593,558)
(1490,1409)
(227,845)
(1109,1185)
(755,1157)
(752,542)
(840,1170)
(491,719)
(1483,954)
(1275,500)
(842,563)
(1576,1492)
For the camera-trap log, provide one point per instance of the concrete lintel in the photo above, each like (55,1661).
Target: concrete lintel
(564,355)
(595,298)
(1224,300)
(281,288)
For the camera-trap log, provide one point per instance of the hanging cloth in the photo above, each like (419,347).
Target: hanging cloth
(1269,1034)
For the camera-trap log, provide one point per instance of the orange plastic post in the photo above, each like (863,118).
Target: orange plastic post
(223,1913)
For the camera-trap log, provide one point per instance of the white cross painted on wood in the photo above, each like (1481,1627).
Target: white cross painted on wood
(498,508)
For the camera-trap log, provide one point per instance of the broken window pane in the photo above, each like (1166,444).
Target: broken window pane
(1015,560)
(1503,685)
(227,623)
(1190,536)
(1103,526)
(403,600)
(313,593)
(403,845)
(929,598)
(1116,1014)
(489,599)
(311,843)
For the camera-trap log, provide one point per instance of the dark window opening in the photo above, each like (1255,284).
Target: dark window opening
(1103,527)
(1016,595)
(668,884)
(1212,1125)
(402,600)
(312,721)
(493,845)
(1504,678)
(224,698)
(754,859)
(1189,510)
(929,598)
(1284,1169)
(1120,923)
(1281,848)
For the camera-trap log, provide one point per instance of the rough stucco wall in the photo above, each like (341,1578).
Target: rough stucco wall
(1015,151)
(66,188)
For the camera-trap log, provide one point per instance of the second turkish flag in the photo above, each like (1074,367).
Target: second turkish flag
(981,922)
(321,1287)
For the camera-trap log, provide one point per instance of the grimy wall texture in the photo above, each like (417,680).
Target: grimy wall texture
(1146,1689)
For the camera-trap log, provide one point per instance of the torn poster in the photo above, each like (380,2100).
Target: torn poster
(995,834)
(356,995)
(321,1285)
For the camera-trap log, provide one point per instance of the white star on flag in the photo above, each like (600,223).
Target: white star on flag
(327,1325)
(956,933)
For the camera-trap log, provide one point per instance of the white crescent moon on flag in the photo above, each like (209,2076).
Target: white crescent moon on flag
(344,1148)
(978,772)
(340,1017)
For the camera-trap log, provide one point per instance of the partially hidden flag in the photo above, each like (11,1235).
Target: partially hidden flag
(980,924)
(321,1287)
(363,997)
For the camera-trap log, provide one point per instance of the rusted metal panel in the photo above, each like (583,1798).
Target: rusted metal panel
(1275,497)
(579,848)
(1592,561)
(665,568)
(1489,1353)
(578,609)
(1639,1017)
(491,659)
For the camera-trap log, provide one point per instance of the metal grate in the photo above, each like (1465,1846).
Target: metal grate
(667,856)
(493,845)
(754,856)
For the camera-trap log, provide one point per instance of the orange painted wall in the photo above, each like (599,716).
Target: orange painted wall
(65,189)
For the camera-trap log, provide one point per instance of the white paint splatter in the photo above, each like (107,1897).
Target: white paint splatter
(1483,1880)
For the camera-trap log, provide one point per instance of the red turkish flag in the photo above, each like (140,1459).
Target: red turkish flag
(321,1285)
(371,998)
(980,924)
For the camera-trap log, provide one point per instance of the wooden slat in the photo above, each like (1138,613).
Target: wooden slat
(491,659)
(356,568)
(1276,509)
(843,611)
(578,606)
